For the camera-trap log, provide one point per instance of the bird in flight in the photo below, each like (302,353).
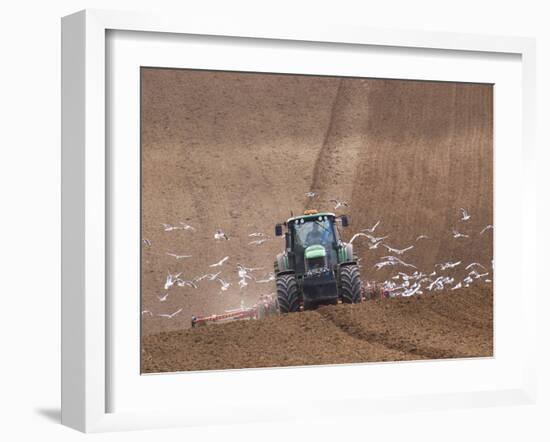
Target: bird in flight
(224,284)
(465,215)
(371,229)
(375,245)
(486,228)
(269,279)
(448,265)
(398,251)
(220,262)
(338,204)
(163,297)
(187,227)
(310,194)
(220,235)
(457,234)
(258,241)
(469,266)
(256,234)
(147,242)
(440,282)
(381,264)
(171,315)
(184,283)
(357,235)
(391,261)
(371,238)
(247,269)
(170,228)
(209,276)
(146,312)
(170,280)
(178,257)
(398,261)
(419,237)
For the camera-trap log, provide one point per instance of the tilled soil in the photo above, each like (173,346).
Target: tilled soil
(238,151)
(434,326)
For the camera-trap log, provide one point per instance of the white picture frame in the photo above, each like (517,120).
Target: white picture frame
(85,198)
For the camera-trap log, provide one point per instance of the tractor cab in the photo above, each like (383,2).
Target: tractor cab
(314,254)
(312,239)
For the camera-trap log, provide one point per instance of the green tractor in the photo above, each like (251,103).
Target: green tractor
(316,267)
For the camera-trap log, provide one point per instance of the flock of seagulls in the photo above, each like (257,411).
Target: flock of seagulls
(401,284)
(244,274)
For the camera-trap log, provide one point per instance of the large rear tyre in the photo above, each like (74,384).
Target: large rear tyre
(287,294)
(350,281)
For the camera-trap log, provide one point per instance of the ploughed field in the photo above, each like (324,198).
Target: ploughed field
(237,153)
(434,326)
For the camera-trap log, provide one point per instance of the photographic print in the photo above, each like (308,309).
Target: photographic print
(291,220)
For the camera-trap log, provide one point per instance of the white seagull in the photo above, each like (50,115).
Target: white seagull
(269,279)
(256,234)
(183,283)
(398,261)
(391,261)
(220,235)
(357,235)
(258,241)
(371,229)
(224,284)
(381,264)
(220,262)
(170,280)
(419,237)
(371,238)
(163,297)
(486,228)
(338,204)
(465,215)
(170,316)
(209,276)
(310,194)
(397,251)
(475,264)
(457,234)
(169,227)
(147,242)
(178,257)
(187,227)
(448,265)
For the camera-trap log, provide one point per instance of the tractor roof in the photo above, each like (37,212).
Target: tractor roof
(310,215)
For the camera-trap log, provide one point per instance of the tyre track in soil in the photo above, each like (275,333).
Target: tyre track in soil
(335,166)
(355,331)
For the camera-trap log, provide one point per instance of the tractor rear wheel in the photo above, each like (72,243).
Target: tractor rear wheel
(350,282)
(287,294)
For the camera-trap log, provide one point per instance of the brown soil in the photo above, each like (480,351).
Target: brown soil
(435,326)
(238,151)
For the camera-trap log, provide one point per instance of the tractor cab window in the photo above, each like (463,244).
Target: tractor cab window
(312,232)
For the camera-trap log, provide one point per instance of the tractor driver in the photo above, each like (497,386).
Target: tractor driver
(316,235)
